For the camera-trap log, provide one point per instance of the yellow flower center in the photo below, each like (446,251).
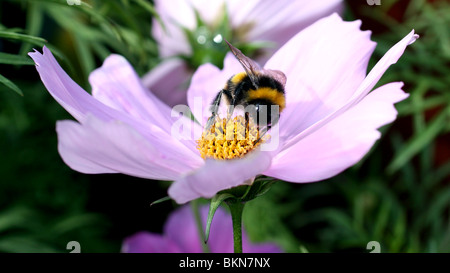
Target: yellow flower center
(228,139)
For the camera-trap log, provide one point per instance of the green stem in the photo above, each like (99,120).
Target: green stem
(198,220)
(236,209)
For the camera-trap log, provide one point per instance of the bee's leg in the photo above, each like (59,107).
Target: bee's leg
(214,110)
(266,128)
(247,124)
(247,120)
(261,134)
(230,110)
(232,105)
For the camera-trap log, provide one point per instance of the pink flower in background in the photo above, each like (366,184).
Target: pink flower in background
(181,235)
(329,123)
(250,21)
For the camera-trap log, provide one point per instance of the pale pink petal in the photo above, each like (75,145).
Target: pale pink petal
(217,175)
(117,85)
(221,232)
(180,12)
(182,229)
(340,143)
(206,83)
(211,11)
(363,89)
(278,21)
(68,93)
(324,65)
(390,58)
(146,242)
(169,81)
(171,40)
(107,147)
(80,104)
(175,15)
(73,98)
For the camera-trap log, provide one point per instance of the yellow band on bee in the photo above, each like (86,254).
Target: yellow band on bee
(238,77)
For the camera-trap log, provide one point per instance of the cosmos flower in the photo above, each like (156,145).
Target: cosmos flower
(269,21)
(329,123)
(181,234)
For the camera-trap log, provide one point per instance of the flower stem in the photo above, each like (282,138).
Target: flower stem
(236,209)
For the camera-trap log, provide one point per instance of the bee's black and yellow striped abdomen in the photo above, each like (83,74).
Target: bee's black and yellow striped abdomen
(240,89)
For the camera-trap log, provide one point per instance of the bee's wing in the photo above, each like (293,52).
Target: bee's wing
(276,74)
(250,66)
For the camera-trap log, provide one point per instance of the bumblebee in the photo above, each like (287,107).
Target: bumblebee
(255,89)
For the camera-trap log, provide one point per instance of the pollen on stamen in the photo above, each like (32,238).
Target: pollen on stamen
(228,139)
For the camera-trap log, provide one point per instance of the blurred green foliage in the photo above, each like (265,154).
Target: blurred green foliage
(398,195)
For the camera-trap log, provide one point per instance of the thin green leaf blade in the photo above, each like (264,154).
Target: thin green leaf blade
(10,84)
(22,37)
(7,58)
(214,205)
(419,141)
(34,22)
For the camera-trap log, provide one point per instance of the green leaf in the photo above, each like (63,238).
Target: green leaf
(419,141)
(303,249)
(382,220)
(21,244)
(437,175)
(167,198)
(214,205)
(406,108)
(6,58)
(75,222)
(147,6)
(199,223)
(84,54)
(35,17)
(10,84)
(22,37)
(258,188)
(438,206)
(13,217)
